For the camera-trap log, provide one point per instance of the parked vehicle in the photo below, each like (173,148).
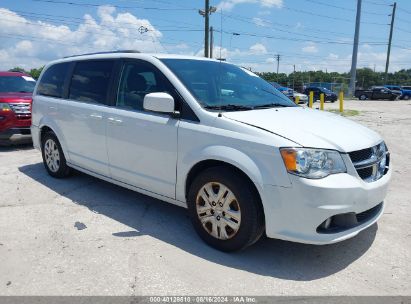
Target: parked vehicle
(376,93)
(215,138)
(303,98)
(328,95)
(405,92)
(15,107)
(286,91)
(394,88)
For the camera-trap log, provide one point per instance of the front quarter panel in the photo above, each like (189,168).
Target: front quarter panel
(254,154)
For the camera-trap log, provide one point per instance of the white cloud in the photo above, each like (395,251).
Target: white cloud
(29,43)
(261,22)
(228,5)
(258,49)
(311,47)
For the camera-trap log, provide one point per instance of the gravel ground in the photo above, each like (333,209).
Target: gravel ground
(83,236)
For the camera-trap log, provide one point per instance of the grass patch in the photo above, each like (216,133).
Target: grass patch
(345,113)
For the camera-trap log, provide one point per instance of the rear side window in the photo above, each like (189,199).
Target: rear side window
(52,82)
(90,81)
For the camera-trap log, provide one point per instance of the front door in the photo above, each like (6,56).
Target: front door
(141,145)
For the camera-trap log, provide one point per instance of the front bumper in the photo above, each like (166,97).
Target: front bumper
(16,135)
(295,213)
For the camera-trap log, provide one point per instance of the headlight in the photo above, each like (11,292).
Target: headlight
(312,163)
(4,107)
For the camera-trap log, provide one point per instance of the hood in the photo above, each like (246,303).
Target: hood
(15,97)
(299,94)
(310,128)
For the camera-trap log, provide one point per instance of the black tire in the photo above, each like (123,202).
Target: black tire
(362,97)
(406,97)
(252,216)
(62,169)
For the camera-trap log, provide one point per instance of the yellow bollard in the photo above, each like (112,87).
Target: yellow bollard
(322,101)
(310,104)
(341,101)
(297,100)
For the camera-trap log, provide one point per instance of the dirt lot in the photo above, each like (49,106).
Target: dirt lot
(83,236)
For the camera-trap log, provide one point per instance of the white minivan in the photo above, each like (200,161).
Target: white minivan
(214,138)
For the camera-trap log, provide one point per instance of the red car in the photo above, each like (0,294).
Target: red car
(15,106)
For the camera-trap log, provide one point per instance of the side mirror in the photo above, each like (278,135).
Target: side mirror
(159,102)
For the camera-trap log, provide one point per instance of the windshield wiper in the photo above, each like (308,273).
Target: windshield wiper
(270,105)
(229,107)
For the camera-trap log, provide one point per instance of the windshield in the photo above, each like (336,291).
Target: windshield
(23,84)
(218,85)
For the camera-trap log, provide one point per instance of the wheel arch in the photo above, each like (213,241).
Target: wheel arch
(209,163)
(197,161)
(48,126)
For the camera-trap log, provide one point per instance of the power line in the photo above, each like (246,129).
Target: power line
(116,6)
(376,3)
(344,8)
(276,24)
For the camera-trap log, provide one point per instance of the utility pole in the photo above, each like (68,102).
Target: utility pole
(294,78)
(211,41)
(278,63)
(355,49)
(387,63)
(208,10)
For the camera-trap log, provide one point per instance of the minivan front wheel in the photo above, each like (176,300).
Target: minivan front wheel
(225,209)
(53,157)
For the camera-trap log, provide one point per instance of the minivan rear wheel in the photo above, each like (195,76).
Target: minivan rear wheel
(53,156)
(225,209)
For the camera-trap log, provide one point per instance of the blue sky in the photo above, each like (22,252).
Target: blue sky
(310,34)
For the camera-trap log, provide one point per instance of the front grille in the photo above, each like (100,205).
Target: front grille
(21,110)
(365,172)
(360,155)
(371,163)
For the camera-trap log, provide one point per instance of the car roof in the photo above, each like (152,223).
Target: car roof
(16,74)
(129,54)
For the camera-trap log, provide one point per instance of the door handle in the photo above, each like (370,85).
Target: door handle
(114,121)
(52,108)
(96,116)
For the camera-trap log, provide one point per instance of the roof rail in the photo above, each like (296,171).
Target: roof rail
(107,52)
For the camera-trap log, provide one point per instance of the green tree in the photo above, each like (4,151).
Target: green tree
(35,73)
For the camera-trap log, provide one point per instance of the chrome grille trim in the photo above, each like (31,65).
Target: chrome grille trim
(374,163)
(21,108)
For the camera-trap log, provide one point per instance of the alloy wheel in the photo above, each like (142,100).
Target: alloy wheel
(52,155)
